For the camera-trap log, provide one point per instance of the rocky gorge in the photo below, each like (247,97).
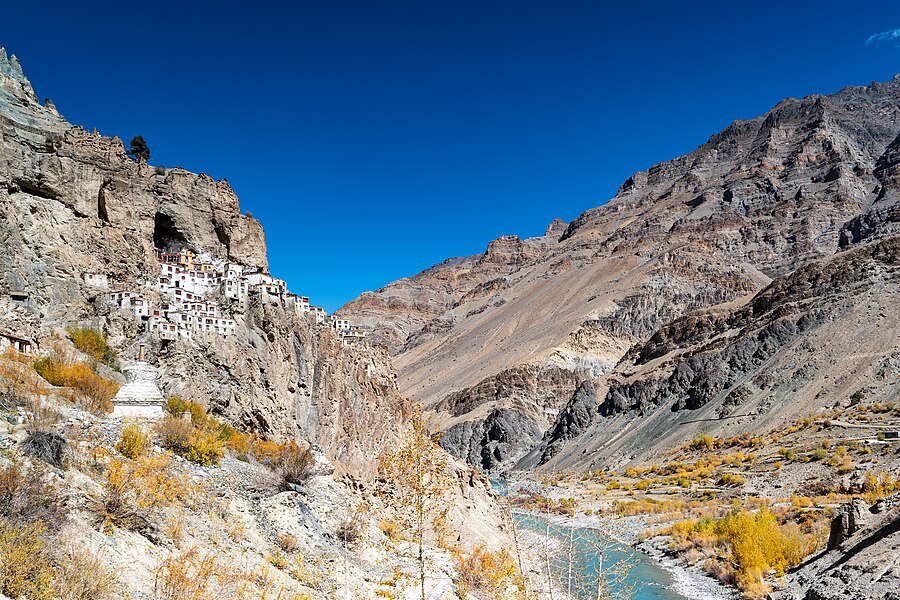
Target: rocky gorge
(723,299)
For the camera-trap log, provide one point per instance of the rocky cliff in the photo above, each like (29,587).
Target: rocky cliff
(759,200)
(75,211)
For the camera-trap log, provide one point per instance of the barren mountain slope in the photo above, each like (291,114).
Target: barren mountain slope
(758,200)
(803,345)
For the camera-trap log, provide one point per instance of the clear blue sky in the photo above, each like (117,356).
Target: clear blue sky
(373,139)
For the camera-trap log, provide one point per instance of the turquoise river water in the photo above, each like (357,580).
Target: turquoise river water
(651,580)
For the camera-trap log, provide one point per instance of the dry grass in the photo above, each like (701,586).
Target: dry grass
(81,574)
(390,529)
(18,384)
(195,575)
(293,462)
(132,489)
(26,498)
(26,568)
(51,448)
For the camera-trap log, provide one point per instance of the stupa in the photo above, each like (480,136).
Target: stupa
(140,397)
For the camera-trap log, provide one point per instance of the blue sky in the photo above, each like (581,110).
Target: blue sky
(373,139)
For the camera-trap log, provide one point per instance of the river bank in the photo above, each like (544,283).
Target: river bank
(657,574)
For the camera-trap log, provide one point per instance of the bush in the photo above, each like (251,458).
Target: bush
(703,442)
(731,480)
(26,569)
(287,543)
(188,441)
(131,488)
(80,574)
(133,443)
(491,573)
(94,344)
(25,498)
(48,447)
(114,507)
(819,454)
(204,448)
(293,462)
(390,529)
(60,370)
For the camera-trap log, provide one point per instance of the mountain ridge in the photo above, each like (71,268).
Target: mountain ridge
(758,200)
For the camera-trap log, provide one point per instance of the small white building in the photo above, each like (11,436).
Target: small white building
(318,313)
(96,280)
(235,289)
(352,336)
(140,306)
(339,323)
(19,344)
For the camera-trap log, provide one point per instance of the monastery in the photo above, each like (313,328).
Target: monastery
(187,279)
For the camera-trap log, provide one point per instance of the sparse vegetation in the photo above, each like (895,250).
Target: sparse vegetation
(133,443)
(487,574)
(94,344)
(46,446)
(61,370)
(194,443)
(139,150)
(418,478)
(754,543)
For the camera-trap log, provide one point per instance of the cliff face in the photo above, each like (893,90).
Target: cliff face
(73,205)
(759,200)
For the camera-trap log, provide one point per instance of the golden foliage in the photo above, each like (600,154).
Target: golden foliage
(195,443)
(61,370)
(26,569)
(754,542)
(417,478)
(390,529)
(146,484)
(490,574)
(133,443)
(94,344)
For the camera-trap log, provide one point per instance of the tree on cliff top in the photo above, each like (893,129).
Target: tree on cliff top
(139,150)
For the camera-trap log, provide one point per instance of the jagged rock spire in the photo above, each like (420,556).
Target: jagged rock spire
(11,68)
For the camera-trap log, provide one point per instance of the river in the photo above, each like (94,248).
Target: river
(649,579)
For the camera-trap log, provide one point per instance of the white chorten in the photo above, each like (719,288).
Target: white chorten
(140,397)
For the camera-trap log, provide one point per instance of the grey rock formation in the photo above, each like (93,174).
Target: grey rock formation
(577,415)
(495,422)
(862,565)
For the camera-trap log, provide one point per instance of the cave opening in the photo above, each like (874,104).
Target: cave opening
(166,234)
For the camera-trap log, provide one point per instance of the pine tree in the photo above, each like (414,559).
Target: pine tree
(139,150)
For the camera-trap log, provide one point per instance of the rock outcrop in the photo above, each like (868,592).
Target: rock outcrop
(862,564)
(802,345)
